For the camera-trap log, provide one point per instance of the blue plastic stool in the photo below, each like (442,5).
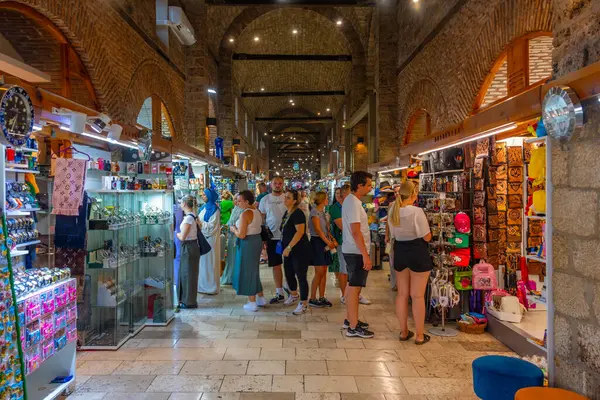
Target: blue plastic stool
(500,377)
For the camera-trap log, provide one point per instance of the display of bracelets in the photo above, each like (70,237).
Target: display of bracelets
(19,196)
(21,230)
(153,247)
(30,280)
(152,215)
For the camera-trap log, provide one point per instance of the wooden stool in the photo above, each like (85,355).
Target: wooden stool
(541,393)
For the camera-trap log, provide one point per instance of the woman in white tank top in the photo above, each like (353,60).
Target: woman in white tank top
(246,275)
(409,231)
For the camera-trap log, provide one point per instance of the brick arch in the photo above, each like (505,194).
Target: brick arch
(424,95)
(148,80)
(459,59)
(245,18)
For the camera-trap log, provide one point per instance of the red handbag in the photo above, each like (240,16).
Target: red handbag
(461,257)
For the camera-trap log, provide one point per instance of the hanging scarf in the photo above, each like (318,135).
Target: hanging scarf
(211,206)
(235,215)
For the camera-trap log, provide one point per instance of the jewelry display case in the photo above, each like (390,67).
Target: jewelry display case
(129,256)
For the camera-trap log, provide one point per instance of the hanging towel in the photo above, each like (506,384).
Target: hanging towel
(68,186)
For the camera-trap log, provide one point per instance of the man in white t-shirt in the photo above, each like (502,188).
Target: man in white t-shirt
(355,249)
(272,209)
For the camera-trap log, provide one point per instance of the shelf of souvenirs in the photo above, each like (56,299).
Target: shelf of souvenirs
(535,258)
(21,170)
(21,211)
(451,171)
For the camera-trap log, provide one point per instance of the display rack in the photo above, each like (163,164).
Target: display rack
(130,263)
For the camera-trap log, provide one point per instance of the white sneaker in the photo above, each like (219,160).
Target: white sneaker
(251,307)
(300,309)
(342,299)
(290,300)
(260,301)
(364,300)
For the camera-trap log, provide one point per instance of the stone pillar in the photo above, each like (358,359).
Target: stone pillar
(385,80)
(576,276)
(196,95)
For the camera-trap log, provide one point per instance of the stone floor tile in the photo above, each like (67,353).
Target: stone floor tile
(278,354)
(137,396)
(362,396)
(268,343)
(80,380)
(242,334)
(395,396)
(288,383)
(410,355)
(322,335)
(186,396)
(242,354)
(383,344)
(371,355)
(97,367)
(119,355)
(187,343)
(267,396)
(321,354)
(485,346)
(368,384)
(441,369)
(438,386)
(184,383)
(457,357)
(149,368)
(330,384)
(117,383)
(87,396)
(280,334)
(291,326)
(214,368)
(317,396)
(306,368)
(301,343)
(181,354)
(401,369)
(357,368)
(327,344)
(145,343)
(247,383)
(266,368)
(231,343)
(349,344)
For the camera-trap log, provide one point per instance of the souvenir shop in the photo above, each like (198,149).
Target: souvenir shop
(484,187)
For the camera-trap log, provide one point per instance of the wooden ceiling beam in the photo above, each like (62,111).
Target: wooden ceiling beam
(295,94)
(294,3)
(292,57)
(294,119)
(294,133)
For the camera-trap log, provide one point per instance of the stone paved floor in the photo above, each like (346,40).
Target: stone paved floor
(222,352)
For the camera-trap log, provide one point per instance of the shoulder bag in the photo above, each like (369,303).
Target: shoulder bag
(202,242)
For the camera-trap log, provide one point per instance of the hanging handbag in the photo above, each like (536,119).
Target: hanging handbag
(493,235)
(515,216)
(479,215)
(493,221)
(484,276)
(479,198)
(463,280)
(515,174)
(501,186)
(461,257)
(515,201)
(515,188)
(483,148)
(460,240)
(492,175)
(479,233)
(492,206)
(501,202)
(502,172)
(478,184)
(501,153)
(480,250)
(478,168)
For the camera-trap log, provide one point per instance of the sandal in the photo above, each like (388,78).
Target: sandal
(410,334)
(426,338)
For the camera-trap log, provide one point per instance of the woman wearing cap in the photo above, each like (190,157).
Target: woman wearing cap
(409,231)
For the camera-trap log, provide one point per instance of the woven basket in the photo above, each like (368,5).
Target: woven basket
(474,329)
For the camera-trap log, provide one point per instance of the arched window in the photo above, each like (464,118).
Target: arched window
(526,62)
(153,110)
(419,127)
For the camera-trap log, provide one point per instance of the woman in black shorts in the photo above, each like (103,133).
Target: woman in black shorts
(409,230)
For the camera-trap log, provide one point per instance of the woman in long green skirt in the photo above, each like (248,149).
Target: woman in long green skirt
(227,277)
(246,275)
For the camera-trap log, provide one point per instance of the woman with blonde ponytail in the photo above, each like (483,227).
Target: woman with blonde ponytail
(409,233)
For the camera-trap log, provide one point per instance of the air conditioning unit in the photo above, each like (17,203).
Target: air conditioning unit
(181,27)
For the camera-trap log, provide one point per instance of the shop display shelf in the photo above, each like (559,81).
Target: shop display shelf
(535,258)
(27,149)
(30,171)
(533,342)
(21,212)
(450,171)
(104,191)
(536,139)
(537,217)
(17,253)
(28,243)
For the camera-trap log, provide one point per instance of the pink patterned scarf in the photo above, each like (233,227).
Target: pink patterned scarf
(68,186)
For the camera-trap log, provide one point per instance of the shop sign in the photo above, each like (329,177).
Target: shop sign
(16,115)
(562,113)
